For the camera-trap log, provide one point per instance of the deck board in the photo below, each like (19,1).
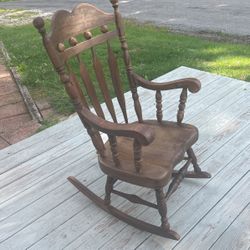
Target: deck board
(213,224)
(237,235)
(39,209)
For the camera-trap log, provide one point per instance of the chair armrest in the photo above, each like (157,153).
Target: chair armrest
(141,132)
(192,84)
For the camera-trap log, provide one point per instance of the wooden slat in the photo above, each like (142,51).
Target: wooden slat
(90,89)
(100,229)
(70,52)
(35,145)
(46,215)
(74,80)
(84,210)
(237,235)
(60,161)
(209,229)
(103,85)
(37,162)
(87,81)
(114,70)
(42,206)
(46,185)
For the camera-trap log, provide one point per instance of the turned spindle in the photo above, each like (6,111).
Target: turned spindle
(182,104)
(158,98)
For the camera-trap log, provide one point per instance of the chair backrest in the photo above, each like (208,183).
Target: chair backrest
(71,34)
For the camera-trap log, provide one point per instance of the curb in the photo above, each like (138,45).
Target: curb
(29,102)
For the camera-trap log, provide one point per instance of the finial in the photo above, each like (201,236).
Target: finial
(104,29)
(73,41)
(38,23)
(87,35)
(114,3)
(60,47)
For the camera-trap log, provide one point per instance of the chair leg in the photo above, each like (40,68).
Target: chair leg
(142,225)
(198,173)
(162,208)
(191,155)
(108,189)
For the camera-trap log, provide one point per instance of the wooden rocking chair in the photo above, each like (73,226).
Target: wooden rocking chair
(145,152)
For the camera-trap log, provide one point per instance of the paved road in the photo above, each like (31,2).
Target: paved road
(228,16)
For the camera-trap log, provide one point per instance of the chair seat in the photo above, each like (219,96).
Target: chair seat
(158,159)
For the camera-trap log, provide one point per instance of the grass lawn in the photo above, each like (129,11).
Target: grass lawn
(154,51)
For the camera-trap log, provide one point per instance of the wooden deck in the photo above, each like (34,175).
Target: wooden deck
(40,209)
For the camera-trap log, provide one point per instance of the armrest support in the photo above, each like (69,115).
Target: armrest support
(192,84)
(141,132)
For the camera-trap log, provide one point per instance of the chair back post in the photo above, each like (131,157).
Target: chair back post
(127,60)
(52,53)
(58,63)
(70,84)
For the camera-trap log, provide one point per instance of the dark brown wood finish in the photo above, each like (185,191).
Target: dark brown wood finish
(103,85)
(135,199)
(87,81)
(182,105)
(70,52)
(108,189)
(145,152)
(162,208)
(113,66)
(158,98)
(127,60)
(114,150)
(137,155)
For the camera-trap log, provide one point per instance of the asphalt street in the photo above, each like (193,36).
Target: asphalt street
(227,16)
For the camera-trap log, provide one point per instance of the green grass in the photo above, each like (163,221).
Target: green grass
(154,51)
(47,123)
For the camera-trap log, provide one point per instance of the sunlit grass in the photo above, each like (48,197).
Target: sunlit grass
(236,67)
(154,51)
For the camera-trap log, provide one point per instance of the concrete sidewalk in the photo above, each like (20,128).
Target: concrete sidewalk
(15,120)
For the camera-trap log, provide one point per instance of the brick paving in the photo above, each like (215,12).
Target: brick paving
(15,120)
